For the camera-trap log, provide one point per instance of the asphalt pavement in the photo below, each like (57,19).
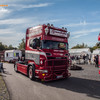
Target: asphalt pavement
(82,85)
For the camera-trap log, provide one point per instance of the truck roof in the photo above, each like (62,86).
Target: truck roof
(47,30)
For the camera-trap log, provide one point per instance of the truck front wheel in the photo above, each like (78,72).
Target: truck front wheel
(31,73)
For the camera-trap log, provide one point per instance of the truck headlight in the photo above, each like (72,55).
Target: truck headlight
(44,71)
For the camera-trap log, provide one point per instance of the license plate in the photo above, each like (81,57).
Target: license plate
(59,76)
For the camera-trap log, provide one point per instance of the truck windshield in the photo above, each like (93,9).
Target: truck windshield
(47,44)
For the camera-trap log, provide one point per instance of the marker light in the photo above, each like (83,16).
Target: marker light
(66,29)
(62,27)
(52,25)
(48,24)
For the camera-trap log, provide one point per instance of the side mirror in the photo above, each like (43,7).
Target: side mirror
(34,45)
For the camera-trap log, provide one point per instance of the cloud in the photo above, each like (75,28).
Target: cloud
(45,21)
(30,6)
(14,21)
(11,36)
(76,24)
(53,20)
(6,31)
(77,34)
(84,23)
(80,35)
(13,40)
(4,12)
(15,1)
(86,31)
(95,13)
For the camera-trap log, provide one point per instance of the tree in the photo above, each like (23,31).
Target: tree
(22,45)
(5,47)
(80,46)
(2,47)
(97,45)
(10,47)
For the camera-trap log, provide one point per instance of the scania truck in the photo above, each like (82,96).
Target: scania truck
(46,53)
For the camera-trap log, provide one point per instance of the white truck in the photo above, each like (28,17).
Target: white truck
(12,55)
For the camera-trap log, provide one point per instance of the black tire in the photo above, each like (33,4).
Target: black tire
(15,67)
(31,72)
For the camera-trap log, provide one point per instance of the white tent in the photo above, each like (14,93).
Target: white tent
(81,51)
(95,52)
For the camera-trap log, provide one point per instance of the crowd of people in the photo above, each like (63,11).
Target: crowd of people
(85,59)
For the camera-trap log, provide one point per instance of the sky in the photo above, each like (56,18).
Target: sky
(80,17)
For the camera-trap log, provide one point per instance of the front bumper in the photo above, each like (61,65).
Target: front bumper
(52,76)
(55,77)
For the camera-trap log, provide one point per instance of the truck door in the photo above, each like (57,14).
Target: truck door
(33,54)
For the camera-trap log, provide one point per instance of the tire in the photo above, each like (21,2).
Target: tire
(31,72)
(15,68)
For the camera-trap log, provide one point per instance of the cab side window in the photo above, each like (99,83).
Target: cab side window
(35,43)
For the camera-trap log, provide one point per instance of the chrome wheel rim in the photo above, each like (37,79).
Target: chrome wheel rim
(30,73)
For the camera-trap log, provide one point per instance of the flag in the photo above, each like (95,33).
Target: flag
(99,37)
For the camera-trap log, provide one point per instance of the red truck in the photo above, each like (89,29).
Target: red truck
(99,55)
(46,53)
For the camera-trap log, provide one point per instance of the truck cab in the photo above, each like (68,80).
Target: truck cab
(46,53)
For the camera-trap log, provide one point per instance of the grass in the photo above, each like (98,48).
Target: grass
(4,95)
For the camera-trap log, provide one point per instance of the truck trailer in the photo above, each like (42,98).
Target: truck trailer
(46,53)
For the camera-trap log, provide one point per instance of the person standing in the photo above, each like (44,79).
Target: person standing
(1,67)
(84,58)
(96,61)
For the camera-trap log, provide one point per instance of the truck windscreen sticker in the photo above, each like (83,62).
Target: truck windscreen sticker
(58,33)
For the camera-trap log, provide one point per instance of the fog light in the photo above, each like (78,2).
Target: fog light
(43,74)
